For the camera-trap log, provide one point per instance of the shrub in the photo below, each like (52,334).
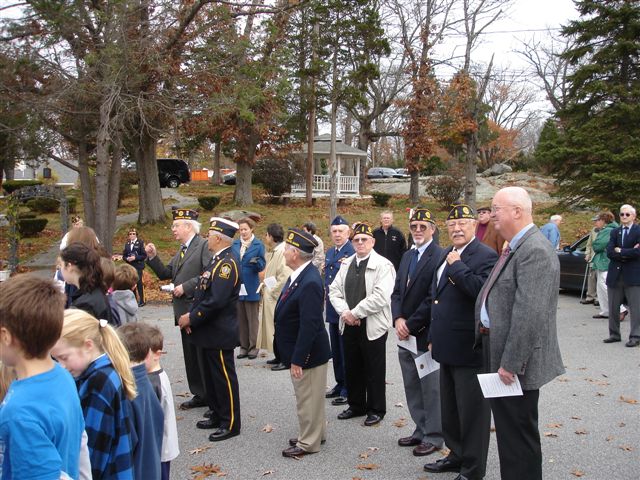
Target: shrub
(276,176)
(44,205)
(30,227)
(209,203)
(11,186)
(72,203)
(381,199)
(447,188)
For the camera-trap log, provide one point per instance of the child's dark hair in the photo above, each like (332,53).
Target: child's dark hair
(125,278)
(135,337)
(156,339)
(276,231)
(32,310)
(87,261)
(108,267)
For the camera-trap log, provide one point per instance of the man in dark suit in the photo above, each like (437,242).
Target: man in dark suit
(518,331)
(212,326)
(336,255)
(135,255)
(184,270)
(303,343)
(623,275)
(390,242)
(412,316)
(466,415)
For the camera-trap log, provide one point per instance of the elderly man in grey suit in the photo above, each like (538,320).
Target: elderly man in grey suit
(184,270)
(518,331)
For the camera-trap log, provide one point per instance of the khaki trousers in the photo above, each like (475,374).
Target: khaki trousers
(310,403)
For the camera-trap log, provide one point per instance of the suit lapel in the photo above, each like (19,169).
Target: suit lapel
(282,299)
(443,278)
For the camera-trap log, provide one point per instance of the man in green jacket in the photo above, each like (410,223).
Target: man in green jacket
(600,262)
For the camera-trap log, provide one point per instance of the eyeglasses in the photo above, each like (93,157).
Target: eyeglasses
(460,223)
(414,227)
(360,240)
(625,214)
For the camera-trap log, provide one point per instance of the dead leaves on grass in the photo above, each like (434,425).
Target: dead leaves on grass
(201,472)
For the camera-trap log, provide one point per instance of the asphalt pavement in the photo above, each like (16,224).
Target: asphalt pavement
(589,417)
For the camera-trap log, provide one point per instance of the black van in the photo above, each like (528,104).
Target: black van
(173,172)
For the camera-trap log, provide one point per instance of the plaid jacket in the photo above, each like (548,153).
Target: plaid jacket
(106,414)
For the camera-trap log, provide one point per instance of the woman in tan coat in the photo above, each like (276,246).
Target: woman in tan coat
(275,275)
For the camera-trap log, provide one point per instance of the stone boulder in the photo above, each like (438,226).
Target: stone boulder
(497,169)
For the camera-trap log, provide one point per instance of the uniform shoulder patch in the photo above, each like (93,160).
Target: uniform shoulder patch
(225,270)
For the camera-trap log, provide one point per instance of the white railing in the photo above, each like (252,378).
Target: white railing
(346,184)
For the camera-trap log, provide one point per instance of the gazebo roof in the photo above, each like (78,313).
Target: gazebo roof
(322,145)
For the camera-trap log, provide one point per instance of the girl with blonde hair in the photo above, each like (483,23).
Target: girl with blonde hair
(93,353)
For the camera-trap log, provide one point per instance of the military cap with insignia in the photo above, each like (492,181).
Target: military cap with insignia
(339,221)
(362,228)
(421,214)
(460,212)
(184,214)
(301,240)
(223,226)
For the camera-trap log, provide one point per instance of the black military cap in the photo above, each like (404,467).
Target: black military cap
(301,240)
(421,214)
(461,211)
(184,214)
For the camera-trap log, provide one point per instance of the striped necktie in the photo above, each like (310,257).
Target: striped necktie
(183,250)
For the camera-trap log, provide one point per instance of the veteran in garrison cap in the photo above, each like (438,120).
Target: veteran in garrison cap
(334,258)
(303,343)
(361,295)
(184,270)
(212,326)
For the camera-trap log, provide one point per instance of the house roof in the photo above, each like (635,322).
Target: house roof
(322,145)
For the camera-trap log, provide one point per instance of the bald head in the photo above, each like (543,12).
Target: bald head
(511,211)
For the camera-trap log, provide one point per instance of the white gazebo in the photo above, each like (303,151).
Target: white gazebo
(348,160)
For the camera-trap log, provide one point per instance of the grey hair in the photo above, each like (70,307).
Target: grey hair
(626,206)
(555,218)
(222,236)
(195,225)
(302,254)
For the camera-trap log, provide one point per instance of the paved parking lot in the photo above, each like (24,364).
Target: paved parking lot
(589,417)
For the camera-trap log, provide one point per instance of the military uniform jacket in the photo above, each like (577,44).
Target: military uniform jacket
(213,318)
(301,336)
(452,312)
(137,249)
(184,271)
(408,300)
(332,263)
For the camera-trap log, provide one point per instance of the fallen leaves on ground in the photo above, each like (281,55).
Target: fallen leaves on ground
(267,472)
(199,449)
(364,455)
(599,394)
(183,394)
(554,425)
(373,449)
(267,428)
(626,448)
(562,379)
(622,424)
(367,466)
(602,383)
(550,434)
(401,422)
(399,405)
(203,471)
(581,431)
(609,438)
(575,418)
(630,400)
(577,473)
(445,452)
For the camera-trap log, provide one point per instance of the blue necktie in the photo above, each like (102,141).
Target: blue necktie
(625,230)
(413,265)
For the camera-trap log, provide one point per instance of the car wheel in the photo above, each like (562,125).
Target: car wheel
(173,182)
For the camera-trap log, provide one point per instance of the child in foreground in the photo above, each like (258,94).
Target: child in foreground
(124,283)
(92,352)
(147,413)
(41,422)
(162,386)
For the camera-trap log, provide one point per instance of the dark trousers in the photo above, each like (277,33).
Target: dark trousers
(140,286)
(165,470)
(365,365)
(221,386)
(337,354)
(466,419)
(191,365)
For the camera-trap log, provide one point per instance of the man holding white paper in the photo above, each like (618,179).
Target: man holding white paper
(517,330)
(411,318)
(461,271)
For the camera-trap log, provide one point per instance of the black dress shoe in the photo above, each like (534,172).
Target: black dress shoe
(333,393)
(425,449)
(240,356)
(409,441)
(253,356)
(633,342)
(339,401)
(142,304)
(222,434)
(208,424)
(461,477)
(600,316)
(273,361)
(348,413)
(372,420)
(442,465)
(587,301)
(279,367)
(195,402)
(612,340)
(294,441)
(209,414)
(294,452)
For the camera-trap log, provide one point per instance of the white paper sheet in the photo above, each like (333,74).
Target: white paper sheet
(425,364)
(409,344)
(492,386)
(270,282)
(167,288)
(243,289)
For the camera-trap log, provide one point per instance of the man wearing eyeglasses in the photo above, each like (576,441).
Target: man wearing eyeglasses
(516,325)
(411,311)
(623,276)
(466,416)
(361,296)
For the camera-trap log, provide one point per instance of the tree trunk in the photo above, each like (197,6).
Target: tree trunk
(470,170)
(310,145)
(242,195)
(215,178)
(414,188)
(151,208)
(85,184)
(363,144)
(114,190)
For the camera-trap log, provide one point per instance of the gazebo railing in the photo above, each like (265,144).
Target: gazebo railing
(346,184)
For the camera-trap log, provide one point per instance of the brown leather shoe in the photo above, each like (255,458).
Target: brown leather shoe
(409,441)
(294,452)
(425,449)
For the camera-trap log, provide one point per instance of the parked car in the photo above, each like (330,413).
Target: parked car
(572,265)
(229,178)
(401,173)
(173,172)
(380,172)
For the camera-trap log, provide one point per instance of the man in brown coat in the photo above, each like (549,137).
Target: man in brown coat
(486,233)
